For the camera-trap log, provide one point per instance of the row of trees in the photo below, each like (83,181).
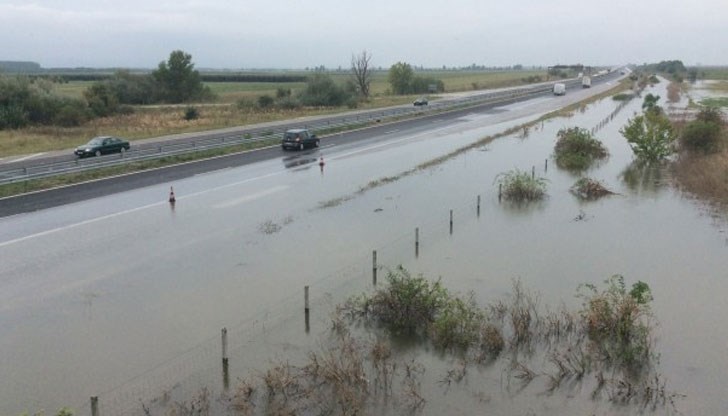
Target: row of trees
(26,101)
(174,81)
(30,101)
(322,91)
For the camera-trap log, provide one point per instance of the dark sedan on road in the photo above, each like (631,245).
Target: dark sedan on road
(102,145)
(420,101)
(299,139)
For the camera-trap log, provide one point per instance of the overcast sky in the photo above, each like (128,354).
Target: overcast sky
(308,33)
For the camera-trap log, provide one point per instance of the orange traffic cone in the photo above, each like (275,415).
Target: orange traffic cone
(172,199)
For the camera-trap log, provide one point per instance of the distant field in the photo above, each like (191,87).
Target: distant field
(73,89)
(719,73)
(231,92)
(152,121)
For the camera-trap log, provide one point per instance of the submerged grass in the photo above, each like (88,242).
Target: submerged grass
(608,339)
(520,186)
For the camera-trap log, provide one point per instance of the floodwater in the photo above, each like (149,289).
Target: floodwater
(238,256)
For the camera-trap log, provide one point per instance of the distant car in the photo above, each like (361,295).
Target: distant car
(420,101)
(102,145)
(299,139)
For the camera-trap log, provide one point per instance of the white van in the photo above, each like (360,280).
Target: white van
(559,89)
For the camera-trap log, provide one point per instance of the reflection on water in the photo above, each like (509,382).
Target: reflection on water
(523,208)
(645,178)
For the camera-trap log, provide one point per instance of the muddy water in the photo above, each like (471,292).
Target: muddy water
(646,231)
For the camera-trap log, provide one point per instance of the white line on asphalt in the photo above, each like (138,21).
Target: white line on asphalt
(129,211)
(20,159)
(78,224)
(251,197)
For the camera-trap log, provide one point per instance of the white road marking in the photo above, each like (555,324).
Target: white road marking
(20,159)
(132,210)
(251,197)
(78,224)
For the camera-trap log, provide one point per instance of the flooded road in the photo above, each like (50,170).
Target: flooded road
(123,297)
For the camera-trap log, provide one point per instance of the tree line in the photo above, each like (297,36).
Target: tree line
(29,100)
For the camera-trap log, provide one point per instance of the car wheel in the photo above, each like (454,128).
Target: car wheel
(98,153)
(300,146)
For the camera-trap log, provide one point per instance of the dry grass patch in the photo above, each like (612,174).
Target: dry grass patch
(705,176)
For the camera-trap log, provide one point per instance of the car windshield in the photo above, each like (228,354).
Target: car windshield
(96,141)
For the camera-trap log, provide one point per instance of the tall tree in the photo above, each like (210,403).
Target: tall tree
(177,78)
(650,136)
(400,77)
(361,72)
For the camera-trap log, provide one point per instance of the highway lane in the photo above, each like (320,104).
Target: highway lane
(187,140)
(74,193)
(100,289)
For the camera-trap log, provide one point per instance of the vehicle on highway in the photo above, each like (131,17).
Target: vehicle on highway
(299,139)
(559,89)
(102,145)
(420,101)
(586,81)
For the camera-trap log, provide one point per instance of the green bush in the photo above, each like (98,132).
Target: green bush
(71,114)
(701,136)
(265,101)
(710,114)
(576,149)
(415,306)
(191,113)
(12,116)
(322,91)
(622,97)
(520,186)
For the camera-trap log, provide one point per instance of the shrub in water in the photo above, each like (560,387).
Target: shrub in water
(650,136)
(617,321)
(576,149)
(702,136)
(519,186)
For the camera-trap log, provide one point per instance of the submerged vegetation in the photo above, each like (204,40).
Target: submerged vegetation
(703,159)
(609,337)
(520,186)
(576,149)
(588,188)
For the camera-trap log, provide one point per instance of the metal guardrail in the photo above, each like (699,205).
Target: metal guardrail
(214,141)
